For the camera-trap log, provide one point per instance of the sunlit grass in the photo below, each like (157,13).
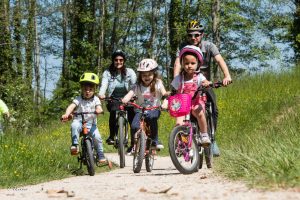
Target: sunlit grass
(259,129)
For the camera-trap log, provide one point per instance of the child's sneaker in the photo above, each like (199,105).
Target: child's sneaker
(74,150)
(129,149)
(159,145)
(102,161)
(205,141)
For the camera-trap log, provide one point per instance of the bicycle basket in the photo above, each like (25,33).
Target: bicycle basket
(179,105)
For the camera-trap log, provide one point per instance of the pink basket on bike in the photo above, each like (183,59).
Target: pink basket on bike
(179,105)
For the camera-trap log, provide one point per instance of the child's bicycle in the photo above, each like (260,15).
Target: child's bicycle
(143,147)
(185,146)
(87,154)
(121,139)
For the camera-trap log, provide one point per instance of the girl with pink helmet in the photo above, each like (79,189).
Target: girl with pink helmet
(188,81)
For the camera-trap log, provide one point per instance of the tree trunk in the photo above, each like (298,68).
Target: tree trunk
(29,43)
(216,34)
(101,36)
(113,41)
(17,38)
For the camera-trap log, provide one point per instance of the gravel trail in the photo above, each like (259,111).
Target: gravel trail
(164,182)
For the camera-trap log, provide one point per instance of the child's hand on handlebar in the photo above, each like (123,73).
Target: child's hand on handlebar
(66,117)
(206,83)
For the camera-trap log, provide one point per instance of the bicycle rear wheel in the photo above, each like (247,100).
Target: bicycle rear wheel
(149,157)
(139,151)
(185,159)
(211,133)
(89,157)
(121,139)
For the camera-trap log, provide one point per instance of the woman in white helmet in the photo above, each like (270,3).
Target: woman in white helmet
(149,90)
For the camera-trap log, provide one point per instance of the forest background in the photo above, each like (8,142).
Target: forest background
(46,42)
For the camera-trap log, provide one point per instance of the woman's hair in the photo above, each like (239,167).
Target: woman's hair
(113,70)
(152,84)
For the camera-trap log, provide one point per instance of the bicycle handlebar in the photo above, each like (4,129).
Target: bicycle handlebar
(142,107)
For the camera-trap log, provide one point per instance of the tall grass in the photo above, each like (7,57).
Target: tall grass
(259,129)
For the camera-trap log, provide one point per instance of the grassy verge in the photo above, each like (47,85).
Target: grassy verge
(259,130)
(41,156)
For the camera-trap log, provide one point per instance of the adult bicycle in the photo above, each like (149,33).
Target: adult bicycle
(121,139)
(185,148)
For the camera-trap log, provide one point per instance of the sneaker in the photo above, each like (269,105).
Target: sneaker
(130,151)
(159,145)
(102,161)
(110,141)
(74,150)
(215,149)
(205,141)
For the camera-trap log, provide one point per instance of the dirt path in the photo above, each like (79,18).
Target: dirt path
(164,182)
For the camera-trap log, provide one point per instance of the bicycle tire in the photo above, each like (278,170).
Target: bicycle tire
(89,157)
(201,157)
(139,151)
(149,157)
(210,130)
(121,145)
(180,157)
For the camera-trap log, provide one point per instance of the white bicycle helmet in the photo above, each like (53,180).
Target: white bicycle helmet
(147,65)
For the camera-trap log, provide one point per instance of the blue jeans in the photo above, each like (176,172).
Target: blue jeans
(76,128)
(151,119)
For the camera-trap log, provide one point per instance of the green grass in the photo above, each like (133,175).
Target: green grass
(41,156)
(258,134)
(259,130)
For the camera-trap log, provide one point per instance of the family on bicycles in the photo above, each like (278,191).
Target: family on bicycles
(191,70)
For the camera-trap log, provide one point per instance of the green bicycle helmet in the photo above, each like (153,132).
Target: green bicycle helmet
(88,77)
(194,26)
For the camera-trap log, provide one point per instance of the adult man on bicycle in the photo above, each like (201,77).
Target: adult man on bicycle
(195,33)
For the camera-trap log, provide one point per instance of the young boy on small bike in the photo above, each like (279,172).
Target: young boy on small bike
(87,102)
(188,82)
(149,90)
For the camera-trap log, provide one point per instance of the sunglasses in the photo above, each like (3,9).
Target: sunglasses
(194,35)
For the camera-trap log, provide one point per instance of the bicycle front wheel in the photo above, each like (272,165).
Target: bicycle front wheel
(185,158)
(139,151)
(121,139)
(89,157)
(149,157)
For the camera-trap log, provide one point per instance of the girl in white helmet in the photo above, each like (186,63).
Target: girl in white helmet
(149,91)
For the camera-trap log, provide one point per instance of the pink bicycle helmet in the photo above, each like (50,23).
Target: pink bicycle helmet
(147,65)
(191,49)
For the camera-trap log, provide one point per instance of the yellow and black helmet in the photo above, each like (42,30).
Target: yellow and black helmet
(88,77)
(194,25)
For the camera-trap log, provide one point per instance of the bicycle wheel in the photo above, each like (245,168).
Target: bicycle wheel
(201,157)
(211,133)
(185,159)
(89,157)
(139,151)
(149,157)
(121,139)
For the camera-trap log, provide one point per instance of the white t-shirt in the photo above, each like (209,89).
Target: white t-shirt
(177,81)
(89,105)
(145,97)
